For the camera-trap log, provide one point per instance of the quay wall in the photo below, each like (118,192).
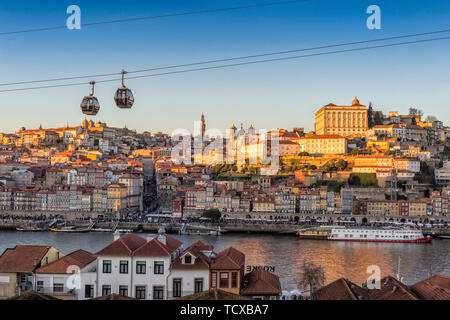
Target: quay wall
(227,228)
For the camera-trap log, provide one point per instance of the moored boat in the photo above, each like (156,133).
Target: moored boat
(379,235)
(30,229)
(313,234)
(442,237)
(69,229)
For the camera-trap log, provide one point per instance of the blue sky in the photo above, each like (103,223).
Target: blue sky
(272,95)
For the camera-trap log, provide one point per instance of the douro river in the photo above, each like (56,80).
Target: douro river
(285,253)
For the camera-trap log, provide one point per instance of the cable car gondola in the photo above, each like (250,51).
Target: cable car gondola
(124,97)
(90,105)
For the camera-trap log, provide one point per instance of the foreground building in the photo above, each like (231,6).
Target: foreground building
(434,288)
(57,278)
(156,268)
(18,266)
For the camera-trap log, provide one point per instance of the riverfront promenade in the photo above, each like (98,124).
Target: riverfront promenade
(201,228)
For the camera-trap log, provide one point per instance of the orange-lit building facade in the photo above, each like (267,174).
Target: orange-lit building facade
(342,120)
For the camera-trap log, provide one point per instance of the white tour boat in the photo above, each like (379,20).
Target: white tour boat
(378,235)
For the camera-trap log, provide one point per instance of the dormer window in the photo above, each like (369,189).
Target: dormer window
(187,259)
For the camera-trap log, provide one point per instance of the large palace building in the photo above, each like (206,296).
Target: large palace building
(342,120)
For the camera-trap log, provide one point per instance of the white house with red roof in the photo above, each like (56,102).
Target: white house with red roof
(72,277)
(189,273)
(134,267)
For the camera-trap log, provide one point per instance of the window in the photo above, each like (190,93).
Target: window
(188,259)
(176,288)
(58,287)
(234,279)
(158,293)
(214,280)
(123,290)
(106,290)
(224,279)
(106,266)
(198,285)
(88,291)
(123,266)
(140,293)
(159,267)
(140,267)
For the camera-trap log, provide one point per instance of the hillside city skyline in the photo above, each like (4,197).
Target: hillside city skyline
(223,126)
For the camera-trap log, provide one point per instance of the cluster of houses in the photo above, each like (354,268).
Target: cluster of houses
(153,268)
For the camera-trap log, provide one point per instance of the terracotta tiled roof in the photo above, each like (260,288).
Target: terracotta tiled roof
(201,246)
(79,258)
(392,289)
(22,258)
(33,296)
(124,246)
(229,259)
(153,248)
(341,289)
(201,260)
(261,282)
(435,288)
(172,243)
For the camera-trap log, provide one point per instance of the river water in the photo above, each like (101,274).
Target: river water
(286,253)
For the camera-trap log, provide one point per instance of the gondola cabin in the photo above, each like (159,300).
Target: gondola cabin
(124,98)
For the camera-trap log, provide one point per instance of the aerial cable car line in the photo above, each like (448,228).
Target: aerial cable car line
(236,64)
(230,59)
(187,13)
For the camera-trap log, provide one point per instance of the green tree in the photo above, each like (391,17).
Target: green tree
(363,179)
(303,154)
(430,118)
(370,116)
(415,112)
(213,214)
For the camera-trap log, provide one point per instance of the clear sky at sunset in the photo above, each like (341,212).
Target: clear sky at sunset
(281,94)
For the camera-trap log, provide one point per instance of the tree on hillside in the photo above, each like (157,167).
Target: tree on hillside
(303,154)
(370,116)
(415,112)
(213,214)
(431,118)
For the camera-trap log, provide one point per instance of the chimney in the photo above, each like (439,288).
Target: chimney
(162,236)
(116,236)
(212,257)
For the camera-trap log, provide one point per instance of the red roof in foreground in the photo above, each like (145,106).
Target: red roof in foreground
(392,289)
(261,282)
(229,258)
(435,288)
(201,260)
(124,246)
(153,248)
(79,258)
(22,258)
(131,244)
(341,289)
